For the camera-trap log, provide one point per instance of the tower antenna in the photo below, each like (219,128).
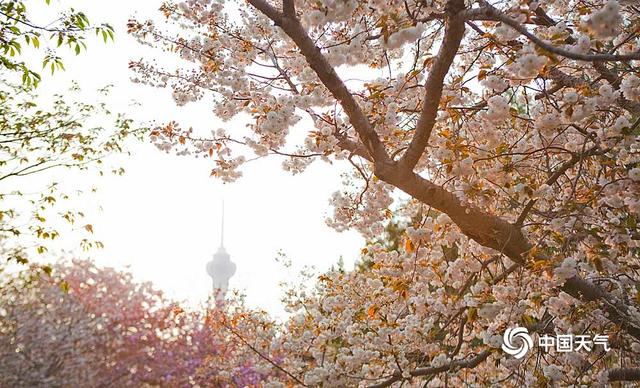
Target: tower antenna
(222,226)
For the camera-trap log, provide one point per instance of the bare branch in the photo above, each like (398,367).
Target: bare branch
(575,158)
(264,357)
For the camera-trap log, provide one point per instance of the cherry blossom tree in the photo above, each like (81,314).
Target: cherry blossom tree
(505,134)
(93,327)
(47,339)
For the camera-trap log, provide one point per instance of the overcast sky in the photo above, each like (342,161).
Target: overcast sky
(162,218)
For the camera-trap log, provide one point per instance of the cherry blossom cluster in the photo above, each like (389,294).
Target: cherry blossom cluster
(607,21)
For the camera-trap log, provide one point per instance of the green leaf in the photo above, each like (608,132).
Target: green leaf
(26,80)
(17,46)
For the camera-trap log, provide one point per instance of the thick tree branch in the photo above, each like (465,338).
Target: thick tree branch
(268,11)
(624,374)
(565,80)
(432,370)
(454,31)
(489,13)
(617,311)
(354,147)
(493,232)
(288,8)
(292,27)
(484,228)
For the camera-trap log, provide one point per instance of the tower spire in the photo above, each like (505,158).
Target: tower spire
(221,268)
(222,226)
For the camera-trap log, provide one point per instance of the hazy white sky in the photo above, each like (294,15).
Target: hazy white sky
(162,218)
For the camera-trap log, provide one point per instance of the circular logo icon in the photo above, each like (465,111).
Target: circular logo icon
(519,335)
